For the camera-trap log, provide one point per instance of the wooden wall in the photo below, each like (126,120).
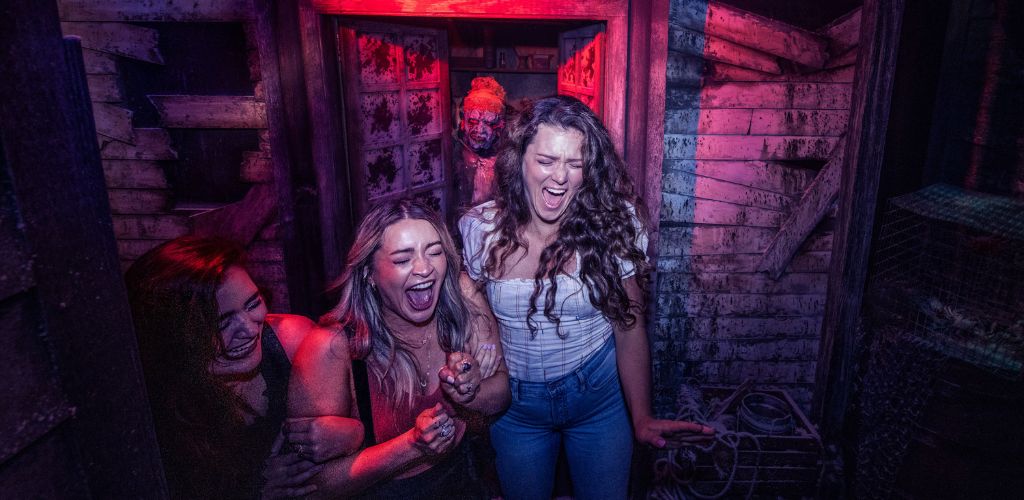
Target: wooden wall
(754,112)
(138,161)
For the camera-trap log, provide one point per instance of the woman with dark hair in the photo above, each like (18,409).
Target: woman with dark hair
(402,315)
(561,254)
(217,367)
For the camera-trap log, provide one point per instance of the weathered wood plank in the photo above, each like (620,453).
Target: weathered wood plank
(739,304)
(820,196)
(684,70)
(752,147)
(134,174)
(716,71)
(751,30)
(713,189)
(155,10)
(594,9)
(831,123)
(843,59)
(711,240)
(138,201)
(763,372)
(683,208)
(121,39)
(240,221)
(789,283)
(113,121)
(738,328)
(149,227)
(133,249)
(784,95)
(844,32)
(765,175)
(98,63)
(150,144)
(195,111)
(708,121)
(752,350)
(256,167)
(811,261)
(696,43)
(104,88)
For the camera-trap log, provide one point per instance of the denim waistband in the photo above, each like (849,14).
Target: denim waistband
(571,380)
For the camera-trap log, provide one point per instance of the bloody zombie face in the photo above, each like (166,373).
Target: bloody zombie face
(480,128)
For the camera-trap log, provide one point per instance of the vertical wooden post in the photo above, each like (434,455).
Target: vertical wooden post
(881,21)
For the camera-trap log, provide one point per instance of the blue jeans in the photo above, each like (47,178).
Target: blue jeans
(585,410)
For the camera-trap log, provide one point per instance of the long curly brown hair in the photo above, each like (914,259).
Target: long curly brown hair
(603,223)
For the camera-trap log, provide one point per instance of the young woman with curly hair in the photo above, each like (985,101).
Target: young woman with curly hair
(425,369)
(217,368)
(560,253)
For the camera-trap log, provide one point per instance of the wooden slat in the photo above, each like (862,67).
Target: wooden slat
(195,111)
(684,208)
(753,147)
(776,95)
(712,240)
(256,167)
(805,216)
(98,63)
(684,70)
(155,10)
(708,121)
(496,9)
(809,261)
(240,221)
(714,189)
(844,59)
(721,72)
(799,122)
(752,350)
(789,283)
(114,122)
(776,177)
(843,33)
(104,88)
(150,144)
(764,372)
(720,304)
(138,201)
(134,42)
(739,328)
(134,174)
(696,43)
(149,227)
(751,30)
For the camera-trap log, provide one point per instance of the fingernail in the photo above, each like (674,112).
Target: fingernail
(450,379)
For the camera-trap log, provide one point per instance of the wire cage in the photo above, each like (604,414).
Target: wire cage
(949,271)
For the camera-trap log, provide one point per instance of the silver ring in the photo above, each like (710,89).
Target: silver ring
(299,449)
(447,429)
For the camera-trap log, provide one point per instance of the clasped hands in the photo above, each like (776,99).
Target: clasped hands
(463,373)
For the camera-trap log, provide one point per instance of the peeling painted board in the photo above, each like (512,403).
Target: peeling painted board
(149,227)
(751,30)
(265,251)
(557,9)
(751,147)
(98,63)
(150,144)
(789,284)
(682,69)
(206,111)
(683,208)
(740,304)
(134,42)
(848,58)
(844,32)
(812,261)
(708,121)
(813,206)
(104,88)
(156,10)
(696,43)
(799,122)
(785,95)
(113,121)
(768,176)
(761,372)
(722,72)
(134,174)
(675,182)
(256,167)
(133,249)
(138,201)
(714,240)
(752,350)
(738,328)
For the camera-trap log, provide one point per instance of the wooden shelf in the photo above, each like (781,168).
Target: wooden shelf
(476,69)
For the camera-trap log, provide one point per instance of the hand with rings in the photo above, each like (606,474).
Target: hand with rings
(460,377)
(434,432)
